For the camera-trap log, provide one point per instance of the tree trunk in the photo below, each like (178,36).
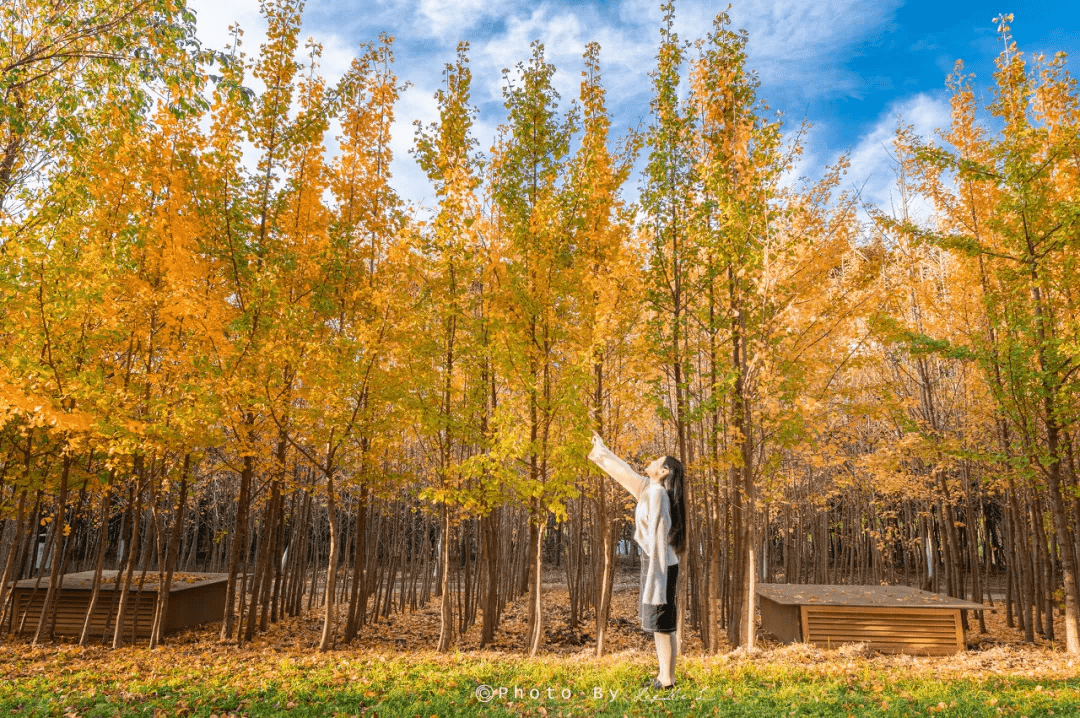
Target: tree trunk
(95,591)
(446,622)
(326,641)
(536,609)
(157,630)
(45,621)
(129,570)
(239,543)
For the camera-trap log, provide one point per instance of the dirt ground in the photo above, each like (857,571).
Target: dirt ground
(419,630)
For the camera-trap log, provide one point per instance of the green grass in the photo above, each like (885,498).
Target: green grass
(201,681)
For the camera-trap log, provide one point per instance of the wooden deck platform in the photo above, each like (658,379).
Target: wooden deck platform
(893,619)
(194,598)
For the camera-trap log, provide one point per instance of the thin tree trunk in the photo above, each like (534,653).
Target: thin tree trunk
(446,622)
(239,542)
(158,629)
(99,564)
(132,553)
(326,640)
(45,621)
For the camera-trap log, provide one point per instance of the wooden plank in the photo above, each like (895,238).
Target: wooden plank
(871,619)
(196,602)
(886,628)
(198,605)
(883,610)
(780,620)
(874,622)
(946,629)
(949,635)
(826,640)
(898,619)
(890,611)
(856,637)
(70,622)
(900,616)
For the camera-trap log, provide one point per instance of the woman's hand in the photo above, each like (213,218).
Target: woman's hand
(615,467)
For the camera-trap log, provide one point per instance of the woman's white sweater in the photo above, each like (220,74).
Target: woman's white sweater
(652,521)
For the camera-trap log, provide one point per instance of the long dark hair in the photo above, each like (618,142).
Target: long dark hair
(674,484)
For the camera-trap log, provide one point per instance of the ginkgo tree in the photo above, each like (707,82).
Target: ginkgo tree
(1007,209)
(452,270)
(609,343)
(230,347)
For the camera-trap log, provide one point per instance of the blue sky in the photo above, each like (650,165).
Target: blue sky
(850,67)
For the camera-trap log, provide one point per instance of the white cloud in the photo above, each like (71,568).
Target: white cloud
(408,179)
(626,54)
(562,35)
(799,44)
(793,31)
(214,17)
(798,47)
(873,159)
(448,19)
(337,55)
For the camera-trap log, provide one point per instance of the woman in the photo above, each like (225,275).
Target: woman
(660,531)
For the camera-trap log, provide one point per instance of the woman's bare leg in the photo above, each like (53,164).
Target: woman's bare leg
(674,637)
(664,656)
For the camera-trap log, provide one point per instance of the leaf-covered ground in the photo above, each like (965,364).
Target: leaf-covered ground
(395,672)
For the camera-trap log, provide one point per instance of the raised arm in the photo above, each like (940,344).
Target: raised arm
(616,468)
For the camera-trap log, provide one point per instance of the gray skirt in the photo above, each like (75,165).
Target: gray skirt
(662,618)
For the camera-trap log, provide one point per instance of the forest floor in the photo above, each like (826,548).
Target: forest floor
(394,670)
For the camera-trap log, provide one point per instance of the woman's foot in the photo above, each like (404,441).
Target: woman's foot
(658,686)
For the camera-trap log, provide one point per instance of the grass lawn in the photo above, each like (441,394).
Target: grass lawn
(203,679)
(396,672)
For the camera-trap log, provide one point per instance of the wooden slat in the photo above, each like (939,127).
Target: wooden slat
(959,630)
(71,613)
(190,605)
(921,615)
(944,618)
(884,628)
(875,611)
(889,620)
(861,638)
(948,632)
